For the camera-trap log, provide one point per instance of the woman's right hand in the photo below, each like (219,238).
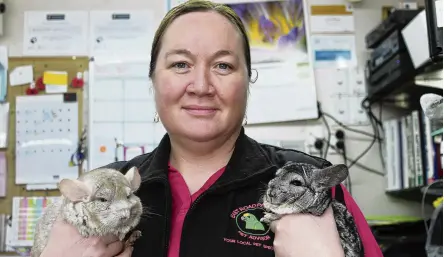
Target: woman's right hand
(64,240)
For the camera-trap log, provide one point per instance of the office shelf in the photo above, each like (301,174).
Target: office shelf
(436,132)
(416,193)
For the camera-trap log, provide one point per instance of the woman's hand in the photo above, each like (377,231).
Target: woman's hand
(64,240)
(305,235)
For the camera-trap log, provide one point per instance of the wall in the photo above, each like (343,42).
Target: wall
(368,189)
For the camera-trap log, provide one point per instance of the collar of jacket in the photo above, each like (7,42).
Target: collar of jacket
(248,160)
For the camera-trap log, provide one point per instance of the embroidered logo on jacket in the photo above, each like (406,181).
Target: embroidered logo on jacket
(251,232)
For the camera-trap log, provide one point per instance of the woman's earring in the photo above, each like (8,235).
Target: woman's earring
(252,81)
(245,121)
(156,117)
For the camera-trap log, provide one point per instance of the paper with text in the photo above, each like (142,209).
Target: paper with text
(334,51)
(4,124)
(55,33)
(3,174)
(121,34)
(46,137)
(25,213)
(117,94)
(345,89)
(331,19)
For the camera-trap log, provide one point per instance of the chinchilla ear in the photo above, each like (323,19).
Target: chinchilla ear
(75,190)
(324,179)
(133,177)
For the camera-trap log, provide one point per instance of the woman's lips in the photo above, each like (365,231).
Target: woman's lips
(198,110)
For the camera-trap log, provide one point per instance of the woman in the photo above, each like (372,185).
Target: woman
(203,182)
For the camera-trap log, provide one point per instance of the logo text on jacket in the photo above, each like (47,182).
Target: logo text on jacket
(250,231)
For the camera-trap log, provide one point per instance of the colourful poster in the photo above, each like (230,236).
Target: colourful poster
(275,27)
(29,210)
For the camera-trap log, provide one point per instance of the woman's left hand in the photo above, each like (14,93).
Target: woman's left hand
(305,235)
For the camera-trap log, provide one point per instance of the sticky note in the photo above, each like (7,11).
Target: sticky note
(21,75)
(55,78)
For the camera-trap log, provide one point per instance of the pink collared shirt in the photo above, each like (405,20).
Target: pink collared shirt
(182,200)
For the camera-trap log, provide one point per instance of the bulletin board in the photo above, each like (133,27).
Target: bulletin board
(72,66)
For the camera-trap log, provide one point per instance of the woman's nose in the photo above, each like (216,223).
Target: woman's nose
(201,85)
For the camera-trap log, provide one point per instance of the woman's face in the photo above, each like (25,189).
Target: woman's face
(201,80)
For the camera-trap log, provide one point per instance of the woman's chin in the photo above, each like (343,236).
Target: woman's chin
(201,133)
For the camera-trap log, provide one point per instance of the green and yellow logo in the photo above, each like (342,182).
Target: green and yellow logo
(248,222)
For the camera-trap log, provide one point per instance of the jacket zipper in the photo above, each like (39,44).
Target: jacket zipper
(167,211)
(232,183)
(167,217)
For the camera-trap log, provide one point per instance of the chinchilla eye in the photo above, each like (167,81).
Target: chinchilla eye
(296,183)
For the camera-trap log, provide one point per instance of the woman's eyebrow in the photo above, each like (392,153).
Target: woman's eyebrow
(182,51)
(178,52)
(222,53)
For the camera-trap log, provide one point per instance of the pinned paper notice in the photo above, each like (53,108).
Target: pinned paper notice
(55,81)
(55,78)
(3,175)
(331,19)
(21,75)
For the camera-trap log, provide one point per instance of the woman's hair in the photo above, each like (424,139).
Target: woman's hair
(198,6)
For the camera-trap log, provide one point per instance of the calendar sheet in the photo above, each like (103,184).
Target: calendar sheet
(46,137)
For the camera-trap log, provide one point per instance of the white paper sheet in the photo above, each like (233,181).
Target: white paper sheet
(56,89)
(3,174)
(334,51)
(438,11)
(55,33)
(46,137)
(282,92)
(330,21)
(121,34)
(21,75)
(345,89)
(117,94)
(4,122)
(329,24)
(34,187)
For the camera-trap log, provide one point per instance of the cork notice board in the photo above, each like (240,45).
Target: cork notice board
(71,66)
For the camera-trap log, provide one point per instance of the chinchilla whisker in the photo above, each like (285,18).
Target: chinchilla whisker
(264,184)
(146,212)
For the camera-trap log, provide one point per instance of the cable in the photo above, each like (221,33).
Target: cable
(362,166)
(328,136)
(424,193)
(327,126)
(366,105)
(430,249)
(381,155)
(349,182)
(375,128)
(340,144)
(347,127)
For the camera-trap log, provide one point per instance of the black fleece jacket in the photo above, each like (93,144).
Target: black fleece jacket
(224,220)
